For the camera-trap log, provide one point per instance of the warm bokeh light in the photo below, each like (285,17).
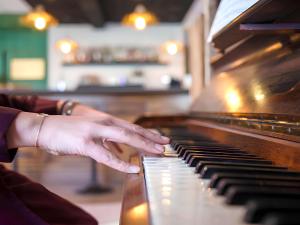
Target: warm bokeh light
(172,47)
(233,99)
(66,46)
(140,23)
(38,19)
(259,96)
(138,211)
(40,23)
(223,75)
(140,18)
(258,93)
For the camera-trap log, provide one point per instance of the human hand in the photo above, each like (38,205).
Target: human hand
(87,111)
(78,135)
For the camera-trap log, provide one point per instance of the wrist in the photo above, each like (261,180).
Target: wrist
(23,130)
(84,110)
(80,110)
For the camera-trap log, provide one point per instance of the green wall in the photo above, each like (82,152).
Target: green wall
(19,42)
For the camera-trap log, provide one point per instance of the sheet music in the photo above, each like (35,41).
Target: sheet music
(228,10)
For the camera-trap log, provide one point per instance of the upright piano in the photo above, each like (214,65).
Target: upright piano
(235,157)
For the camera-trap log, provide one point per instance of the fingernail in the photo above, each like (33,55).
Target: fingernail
(159,148)
(134,169)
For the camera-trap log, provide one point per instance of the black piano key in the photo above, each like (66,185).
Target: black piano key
(240,195)
(208,171)
(288,218)
(185,151)
(179,147)
(225,184)
(201,165)
(188,155)
(218,177)
(204,146)
(257,209)
(189,160)
(198,159)
(200,144)
(182,148)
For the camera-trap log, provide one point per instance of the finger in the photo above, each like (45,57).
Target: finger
(103,155)
(154,136)
(108,144)
(116,147)
(112,146)
(154,131)
(125,136)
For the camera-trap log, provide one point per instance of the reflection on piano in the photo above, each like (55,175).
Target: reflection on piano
(235,158)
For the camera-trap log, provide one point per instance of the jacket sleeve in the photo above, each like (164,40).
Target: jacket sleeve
(10,106)
(7,116)
(29,104)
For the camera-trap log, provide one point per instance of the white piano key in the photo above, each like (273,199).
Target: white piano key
(178,196)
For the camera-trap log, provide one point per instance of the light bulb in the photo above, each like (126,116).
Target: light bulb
(140,23)
(65,47)
(40,23)
(172,48)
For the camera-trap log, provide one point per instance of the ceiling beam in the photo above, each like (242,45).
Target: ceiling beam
(92,11)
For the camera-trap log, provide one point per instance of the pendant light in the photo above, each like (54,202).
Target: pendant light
(172,47)
(38,19)
(66,45)
(140,18)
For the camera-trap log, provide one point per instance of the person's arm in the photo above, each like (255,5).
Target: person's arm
(82,135)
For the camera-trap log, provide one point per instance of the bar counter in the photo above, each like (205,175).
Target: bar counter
(128,103)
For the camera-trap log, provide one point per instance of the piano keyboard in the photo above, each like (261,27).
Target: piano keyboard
(203,182)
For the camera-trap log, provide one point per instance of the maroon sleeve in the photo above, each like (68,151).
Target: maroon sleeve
(29,104)
(7,116)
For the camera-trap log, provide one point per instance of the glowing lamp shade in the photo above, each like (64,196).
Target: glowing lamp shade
(66,46)
(38,19)
(140,18)
(140,23)
(172,47)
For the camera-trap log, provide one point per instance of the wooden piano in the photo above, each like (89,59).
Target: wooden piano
(235,158)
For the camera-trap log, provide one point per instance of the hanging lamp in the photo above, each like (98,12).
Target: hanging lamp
(66,45)
(140,18)
(172,47)
(38,19)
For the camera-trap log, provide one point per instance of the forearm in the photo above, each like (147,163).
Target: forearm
(24,130)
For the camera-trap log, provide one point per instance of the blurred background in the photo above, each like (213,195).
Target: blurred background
(125,57)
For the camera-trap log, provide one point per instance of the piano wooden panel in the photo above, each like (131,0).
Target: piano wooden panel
(253,100)
(135,208)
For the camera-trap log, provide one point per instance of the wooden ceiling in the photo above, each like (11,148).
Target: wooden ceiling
(98,12)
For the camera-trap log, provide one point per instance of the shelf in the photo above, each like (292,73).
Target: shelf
(116,64)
